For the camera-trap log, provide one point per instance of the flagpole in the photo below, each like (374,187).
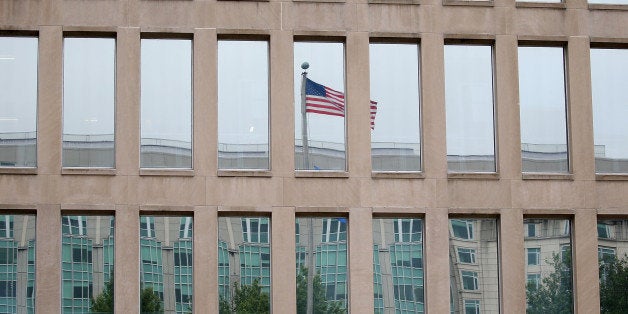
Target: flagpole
(305,144)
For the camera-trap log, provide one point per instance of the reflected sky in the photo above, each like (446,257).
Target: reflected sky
(88,86)
(542,95)
(18,84)
(327,68)
(166,94)
(469,99)
(243,92)
(609,74)
(395,87)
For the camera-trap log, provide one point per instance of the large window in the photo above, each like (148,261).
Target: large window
(613,264)
(17,264)
(549,287)
(18,101)
(87,262)
(395,107)
(243,105)
(323,264)
(88,102)
(469,107)
(319,106)
(473,260)
(244,264)
(398,247)
(166,101)
(609,74)
(543,110)
(166,264)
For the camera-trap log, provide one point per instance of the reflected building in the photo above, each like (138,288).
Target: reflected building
(87,260)
(18,149)
(474,271)
(17,264)
(547,245)
(612,239)
(398,272)
(322,242)
(243,254)
(166,260)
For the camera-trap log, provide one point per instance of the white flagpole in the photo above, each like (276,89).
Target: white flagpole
(306,144)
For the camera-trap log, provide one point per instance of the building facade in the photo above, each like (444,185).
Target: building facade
(479,147)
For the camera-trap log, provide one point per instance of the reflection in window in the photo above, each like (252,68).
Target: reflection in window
(543,109)
(244,264)
(462,228)
(398,246)
(243,104)
(166,264)
(88,102)
(469,107)
(609,73)
(474,269)
(396,128)
(319,126)
(87,261)
(17,264)
(613,262)
(166,101)
(322,284)
(18,104)
(549,256)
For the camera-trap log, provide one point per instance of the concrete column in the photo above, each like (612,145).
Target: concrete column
(127,257)
(48,259)
(586,269)
(361,260)
(358,106)
(205,259)
(283,261)
(128,101)
(512,266)
(205,102)
(437,260)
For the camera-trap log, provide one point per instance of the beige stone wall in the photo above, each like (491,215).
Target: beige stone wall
(128,191)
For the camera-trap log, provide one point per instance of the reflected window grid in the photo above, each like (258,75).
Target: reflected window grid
(609,72)
(326,145)
(543,110)
(399,246)
(469,108)
(378,293)
(244,260)
(18,104)
(88,102)
(167,261)
(396,132)
(166,103)
(549,255)
(243,105)
(474,265)
(87,260)
(323,244)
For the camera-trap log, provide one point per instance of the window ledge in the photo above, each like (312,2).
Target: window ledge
(320,1)
(476,3)
(611,176)
(89,171)
(600,6)
(18,170)
(473,176)
(320,174)
(167,172)
(546,5)
(245,173)
(397,175)
(547,176)
(394,1)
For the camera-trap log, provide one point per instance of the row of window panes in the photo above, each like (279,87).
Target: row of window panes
(243,105)
(244,264)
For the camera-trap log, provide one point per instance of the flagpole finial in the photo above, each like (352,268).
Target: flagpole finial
(305,65)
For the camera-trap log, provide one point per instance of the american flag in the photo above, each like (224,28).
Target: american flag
(324,100)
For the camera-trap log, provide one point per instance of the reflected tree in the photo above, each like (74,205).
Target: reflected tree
(614,284)
(246,299)
(320,303)
(555,293)
(103,303)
